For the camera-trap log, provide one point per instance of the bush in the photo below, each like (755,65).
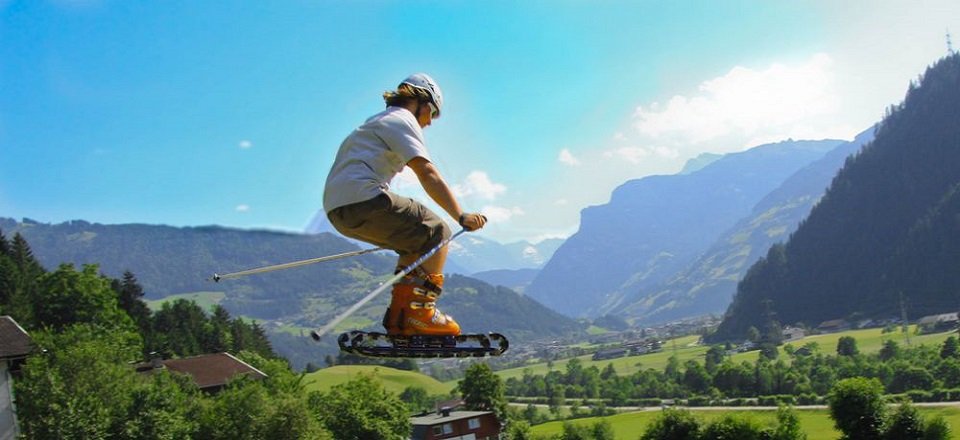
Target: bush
(920,396)
(857,407)
(733,427)
(767,400)
(905,424)
(673,424)
(937,429)
(653,401)
(699,401)
(788,426)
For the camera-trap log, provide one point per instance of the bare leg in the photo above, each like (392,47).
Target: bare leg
(433,264)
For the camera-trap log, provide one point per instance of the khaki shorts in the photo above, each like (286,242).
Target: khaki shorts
(393,222)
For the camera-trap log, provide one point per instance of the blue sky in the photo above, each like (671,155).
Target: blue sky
(230,113)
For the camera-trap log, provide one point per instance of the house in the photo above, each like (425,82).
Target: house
(210,372)
(15,345)
(941,322)
(456,425)
(793,334)
(834,326)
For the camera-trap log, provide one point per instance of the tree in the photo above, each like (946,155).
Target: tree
(937,429)
(130,299)
(252,409)
(179,327)
(909,377)
(732,427)
(416,399)
(673,424)
(847,346)
(905,424)
(361,409)
(890,350)
(857,408)
(609,372)
(67,296)
(83,387)
(483,391)
(696,378)
(573,431)
(950,348)
(602,430)
(519,430)
(769,351)
(714,357)
(788,426)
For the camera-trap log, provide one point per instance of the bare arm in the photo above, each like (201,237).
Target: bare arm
(437,189)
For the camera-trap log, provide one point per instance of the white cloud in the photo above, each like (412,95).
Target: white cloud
(744,104)
(478,184)
(245,145)
(630,154)
(566,157)
(498,214)
(242,208)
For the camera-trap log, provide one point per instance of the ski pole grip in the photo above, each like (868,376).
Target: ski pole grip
(462,216)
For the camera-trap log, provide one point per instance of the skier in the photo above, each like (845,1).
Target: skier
(359,203)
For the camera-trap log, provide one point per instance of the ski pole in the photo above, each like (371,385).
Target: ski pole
(218,277)
(317,334)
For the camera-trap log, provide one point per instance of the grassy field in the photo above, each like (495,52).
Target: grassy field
(206,300)
(816,423)
(686,347)
(393,380)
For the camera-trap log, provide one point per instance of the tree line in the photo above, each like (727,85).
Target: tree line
(807,374)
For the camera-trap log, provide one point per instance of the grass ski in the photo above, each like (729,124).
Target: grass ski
(420,346)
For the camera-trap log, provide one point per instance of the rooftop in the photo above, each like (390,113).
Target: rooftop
(209,370)
(436,419)
(14,341)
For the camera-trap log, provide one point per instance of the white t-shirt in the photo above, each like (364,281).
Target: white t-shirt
(371,156)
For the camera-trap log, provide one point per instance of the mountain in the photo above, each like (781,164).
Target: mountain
(473,252)
(516,280)
(885,238)
(708,284)
(477,254)
(169,261)
(655,226)
(697,163)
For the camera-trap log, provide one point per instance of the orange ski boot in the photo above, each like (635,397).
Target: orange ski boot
(413,309)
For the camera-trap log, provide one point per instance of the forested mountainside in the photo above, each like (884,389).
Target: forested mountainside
(887,232)
(707,285)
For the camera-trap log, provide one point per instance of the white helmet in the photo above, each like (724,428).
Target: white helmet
(426,83)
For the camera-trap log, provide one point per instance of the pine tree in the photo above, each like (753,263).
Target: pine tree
(130,297)
(4,245)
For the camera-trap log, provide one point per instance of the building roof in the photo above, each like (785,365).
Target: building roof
(934,319)
(14,341)
(211,370)
(436,419)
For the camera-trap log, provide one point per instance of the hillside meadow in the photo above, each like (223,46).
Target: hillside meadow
(687,347)
(395,381)
(816,423)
